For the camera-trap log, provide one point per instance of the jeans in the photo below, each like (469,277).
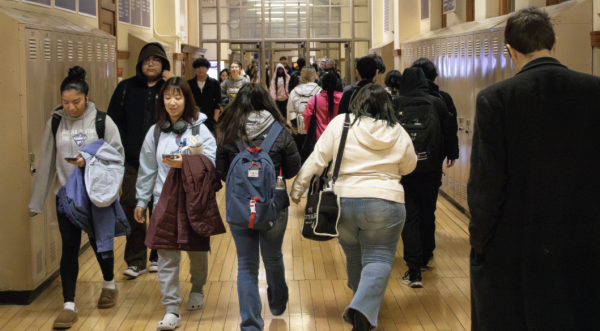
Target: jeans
(369,231)
(418,236)
(282,106)
(247,244)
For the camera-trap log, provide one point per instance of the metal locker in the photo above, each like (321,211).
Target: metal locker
(467,111)
(497,39)
(90,58)
(86,60)
(112,70)
(61,66)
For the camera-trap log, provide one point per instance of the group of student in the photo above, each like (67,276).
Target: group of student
(161,130)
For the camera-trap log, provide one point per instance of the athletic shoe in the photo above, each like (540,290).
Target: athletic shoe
(153,267)
(133,272)
(412,279)
(195,301)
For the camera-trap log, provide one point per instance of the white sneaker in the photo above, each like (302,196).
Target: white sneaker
(133,272)
(195,301)
(169,322)
(153,267)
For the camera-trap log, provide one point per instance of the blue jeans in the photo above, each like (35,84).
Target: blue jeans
(369,231)
(247,244)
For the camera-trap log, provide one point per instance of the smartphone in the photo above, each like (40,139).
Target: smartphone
(71,158)
(169,156)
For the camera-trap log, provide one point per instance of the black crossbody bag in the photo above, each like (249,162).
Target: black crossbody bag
(322,210)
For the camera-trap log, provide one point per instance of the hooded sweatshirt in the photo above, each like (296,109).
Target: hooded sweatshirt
(133,104)
(152,172)
(279,92)
(231,86)
(73,134)
(376,156)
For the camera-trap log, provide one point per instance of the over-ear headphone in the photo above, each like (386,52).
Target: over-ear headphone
(178,128)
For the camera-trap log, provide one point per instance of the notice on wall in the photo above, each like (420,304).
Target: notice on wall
(135,12)
(146,13)
(449,6)
(125,11)
(69,5)
(424,9)
(47,3)
(87,7)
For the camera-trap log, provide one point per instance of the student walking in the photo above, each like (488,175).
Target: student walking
(232,85)
(279,89)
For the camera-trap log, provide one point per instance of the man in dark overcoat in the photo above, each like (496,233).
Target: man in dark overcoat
(534,191)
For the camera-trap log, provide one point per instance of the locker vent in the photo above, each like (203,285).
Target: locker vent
(486,48)
(451,185)
(444,182)
(59,49)
(444,50)
(462,49)
(105,52)
(457,188)
(428,51)
(464,192)
(438,49)
(47,50)
(470,49)
(112,52)
(52,251)
(70,50)
(89,52)
(495,47)
(39,261)
(505,52)
(80,51)
(32,49)
(477,48)
(98,52)
(449,49)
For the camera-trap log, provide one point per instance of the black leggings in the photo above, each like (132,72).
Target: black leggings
(69,261)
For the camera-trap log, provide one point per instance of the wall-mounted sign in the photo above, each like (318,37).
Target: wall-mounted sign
(87,7)
(135,12)
(124,11)
(69,5)
(449,6)
(424,9)
(45,3)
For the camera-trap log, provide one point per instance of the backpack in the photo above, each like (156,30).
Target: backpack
(100,124)
(250,192)
(419,118)
(300,105)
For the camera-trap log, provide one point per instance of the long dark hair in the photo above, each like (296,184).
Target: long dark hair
(283,74)
(232,124)
(176,85)
(220,73)
(373,101)
(329,82)
(75,81)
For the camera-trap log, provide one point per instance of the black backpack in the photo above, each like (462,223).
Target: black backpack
(419,118)
(100,124)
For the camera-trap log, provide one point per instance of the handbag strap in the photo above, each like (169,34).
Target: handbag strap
(340,154)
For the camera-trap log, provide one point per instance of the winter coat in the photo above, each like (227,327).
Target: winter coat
(375,157)
(208,99)
(73,134)
(187,212)
(534,194)
(284,152)
(349,95)
(133,104)
(230,86)
(279,92)
(434,90)
(322,111)
(152,172)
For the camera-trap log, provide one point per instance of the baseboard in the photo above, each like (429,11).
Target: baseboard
(27,297)
(456,204)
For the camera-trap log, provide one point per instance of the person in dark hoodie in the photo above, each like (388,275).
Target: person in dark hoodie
(421,187)
(295,77)
(132,108)
(431,74)
(366,70)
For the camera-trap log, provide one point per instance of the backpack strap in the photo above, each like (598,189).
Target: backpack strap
(271,136)
(100,123)
(340,154)
(55,123)
(156,137)
(406,101)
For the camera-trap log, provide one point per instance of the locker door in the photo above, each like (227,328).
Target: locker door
(112,71)
(71,53)
(61,66)
(467,112)
(496,52)
(460,102)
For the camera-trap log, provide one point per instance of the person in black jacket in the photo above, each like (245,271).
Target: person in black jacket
(295,77)
(534,191)
(431,74)
(329,66)
(366,69)
(421,188)
(249,117)
(132,108)
(207,92)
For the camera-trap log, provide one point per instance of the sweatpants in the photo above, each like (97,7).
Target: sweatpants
(168,276)
(69,260)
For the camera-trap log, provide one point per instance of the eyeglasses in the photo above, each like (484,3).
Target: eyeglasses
(154,60)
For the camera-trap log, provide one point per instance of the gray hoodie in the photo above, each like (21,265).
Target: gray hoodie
(258,121)
(73,134)
(230,86)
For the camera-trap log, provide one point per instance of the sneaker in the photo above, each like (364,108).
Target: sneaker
(133,272)
(195,301)
(153,267)
(412,279)
(169,322)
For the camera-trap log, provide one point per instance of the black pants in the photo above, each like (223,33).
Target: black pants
(135,249)
(418,235)
(69,261)
(282,105)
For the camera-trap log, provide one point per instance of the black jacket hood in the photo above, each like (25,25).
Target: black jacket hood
(152,49)
(413,79)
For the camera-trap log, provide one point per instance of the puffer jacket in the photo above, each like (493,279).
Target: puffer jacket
(187,212)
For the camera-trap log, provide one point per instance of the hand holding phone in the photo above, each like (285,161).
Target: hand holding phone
(71,158)
(169,156)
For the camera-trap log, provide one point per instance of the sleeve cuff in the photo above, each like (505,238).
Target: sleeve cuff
(142,204)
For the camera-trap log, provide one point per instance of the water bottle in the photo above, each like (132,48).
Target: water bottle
(280,184)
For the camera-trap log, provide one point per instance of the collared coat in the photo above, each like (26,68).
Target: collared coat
(534,198)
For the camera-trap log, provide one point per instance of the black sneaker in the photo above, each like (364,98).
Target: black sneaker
(133,272)
(413,279)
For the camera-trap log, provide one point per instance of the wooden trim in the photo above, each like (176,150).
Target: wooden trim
(397,52)
(470,10)
(504,7)
(123,55)
(444,19)
(595,38)
(185,48)
(177,56)
(552,2)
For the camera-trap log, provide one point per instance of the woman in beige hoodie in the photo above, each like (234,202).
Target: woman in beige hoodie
(378,152)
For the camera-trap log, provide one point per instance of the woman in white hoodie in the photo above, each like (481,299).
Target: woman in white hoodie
(176,115)
(378,152)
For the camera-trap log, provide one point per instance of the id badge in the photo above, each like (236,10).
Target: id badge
(252,173)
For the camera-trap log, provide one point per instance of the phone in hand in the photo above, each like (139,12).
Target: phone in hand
(71,158)
(169,156)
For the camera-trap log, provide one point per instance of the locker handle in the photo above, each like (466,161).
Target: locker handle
(32,169)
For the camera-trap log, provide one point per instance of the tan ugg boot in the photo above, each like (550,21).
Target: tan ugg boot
(108,298)
(65,319)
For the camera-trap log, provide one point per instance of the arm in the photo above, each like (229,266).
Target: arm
(409,156)
(224,87)
(290,161)
(449,103)
(449,130)
(272,91)
(309,110)
(290,107)
(116,109)
(345,102)
(488,177)
(209,143)
(222,162)
(147,172)
(319,159)
(112,137)
(216,95)
(46,168)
